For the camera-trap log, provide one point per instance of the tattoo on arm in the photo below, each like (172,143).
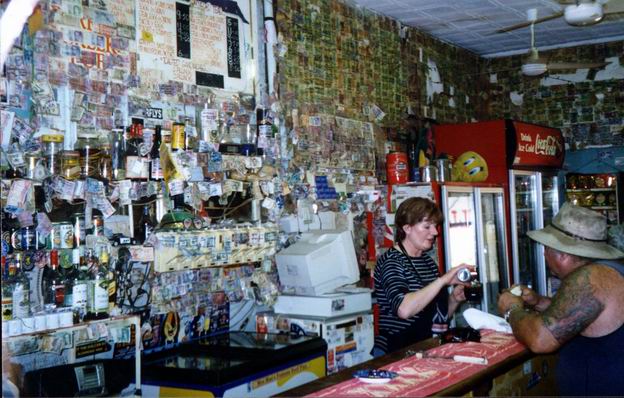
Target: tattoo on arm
(574,307)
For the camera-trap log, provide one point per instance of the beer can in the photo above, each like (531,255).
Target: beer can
(177,136)
(24,239)
(54,239)
(464,275)
(66,231)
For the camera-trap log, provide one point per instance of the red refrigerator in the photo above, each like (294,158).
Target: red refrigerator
(526,159)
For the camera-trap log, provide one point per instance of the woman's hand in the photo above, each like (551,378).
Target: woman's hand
(458,295)
(450,278)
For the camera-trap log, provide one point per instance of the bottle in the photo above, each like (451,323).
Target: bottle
(190,134)
(88,147)
(97,303)
(209,123)
(145,227)
(21,290)
(136,163)
(118,154)
(156,173)
(265,128)
(80,287)
(8,273)
(111,278)
(52,283)
(69,274)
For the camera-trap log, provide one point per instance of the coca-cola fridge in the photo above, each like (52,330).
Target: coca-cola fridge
(474,232)
(526,159)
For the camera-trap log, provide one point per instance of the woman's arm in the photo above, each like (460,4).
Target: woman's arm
(414,302)
(456,297)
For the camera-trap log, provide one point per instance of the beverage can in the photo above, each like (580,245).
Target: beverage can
(66,235)
(464,275)
(177,136)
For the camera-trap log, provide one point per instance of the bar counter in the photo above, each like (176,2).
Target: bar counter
(511,370)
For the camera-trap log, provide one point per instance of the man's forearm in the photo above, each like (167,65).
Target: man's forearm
(530,330)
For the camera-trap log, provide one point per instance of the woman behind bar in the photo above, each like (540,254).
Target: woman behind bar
(412,296)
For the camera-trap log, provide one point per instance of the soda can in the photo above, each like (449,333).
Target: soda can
(54,239)
(66,231)
(24,239)
(177,136)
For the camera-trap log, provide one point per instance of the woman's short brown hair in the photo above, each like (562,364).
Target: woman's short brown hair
(412,211)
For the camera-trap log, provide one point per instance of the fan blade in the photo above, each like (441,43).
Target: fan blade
(613,7)
(528,23)
(576,65)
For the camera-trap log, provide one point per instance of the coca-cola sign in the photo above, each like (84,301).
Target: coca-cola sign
(538,146)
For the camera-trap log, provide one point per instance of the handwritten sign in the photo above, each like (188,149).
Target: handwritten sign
(183,30)
(194,43)
(233,52)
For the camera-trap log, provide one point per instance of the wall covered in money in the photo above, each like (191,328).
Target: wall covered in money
(334,58)
(587,104)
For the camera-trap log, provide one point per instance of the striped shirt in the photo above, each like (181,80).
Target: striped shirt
(396,275)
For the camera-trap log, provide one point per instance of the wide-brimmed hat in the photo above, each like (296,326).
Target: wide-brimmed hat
(579,231)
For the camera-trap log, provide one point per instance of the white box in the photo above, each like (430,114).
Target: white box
(326,305)
(349,339)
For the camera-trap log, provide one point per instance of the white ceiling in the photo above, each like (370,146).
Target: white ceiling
(471,24)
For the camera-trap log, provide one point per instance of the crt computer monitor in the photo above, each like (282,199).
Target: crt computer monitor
(318,263)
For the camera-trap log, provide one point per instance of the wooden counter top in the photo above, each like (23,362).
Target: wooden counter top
(478,381)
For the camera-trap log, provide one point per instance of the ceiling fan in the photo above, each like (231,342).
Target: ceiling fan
(534,65)
(577,13)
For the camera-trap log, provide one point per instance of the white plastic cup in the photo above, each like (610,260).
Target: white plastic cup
(5,328)
(66,318)
(52,320)
(40,323)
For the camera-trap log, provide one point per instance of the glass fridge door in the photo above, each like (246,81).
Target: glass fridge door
(550,207)
(493,260)
(524,218)
(460,239)
(460,234)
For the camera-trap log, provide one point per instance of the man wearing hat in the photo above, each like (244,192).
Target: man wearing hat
(585,318)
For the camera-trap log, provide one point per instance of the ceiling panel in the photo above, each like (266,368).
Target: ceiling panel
(471,24)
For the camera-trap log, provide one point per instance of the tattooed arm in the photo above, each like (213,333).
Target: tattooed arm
(573,308)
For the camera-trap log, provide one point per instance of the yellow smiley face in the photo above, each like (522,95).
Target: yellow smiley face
(470,167)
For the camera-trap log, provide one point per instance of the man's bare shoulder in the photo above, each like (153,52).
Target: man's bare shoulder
(575,306)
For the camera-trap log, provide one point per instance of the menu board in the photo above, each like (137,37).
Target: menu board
(190,42)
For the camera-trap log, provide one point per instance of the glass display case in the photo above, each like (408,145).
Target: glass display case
(598,192)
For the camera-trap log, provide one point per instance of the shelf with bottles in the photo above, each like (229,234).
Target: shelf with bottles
(588,198)
(605,189)
(582,182)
